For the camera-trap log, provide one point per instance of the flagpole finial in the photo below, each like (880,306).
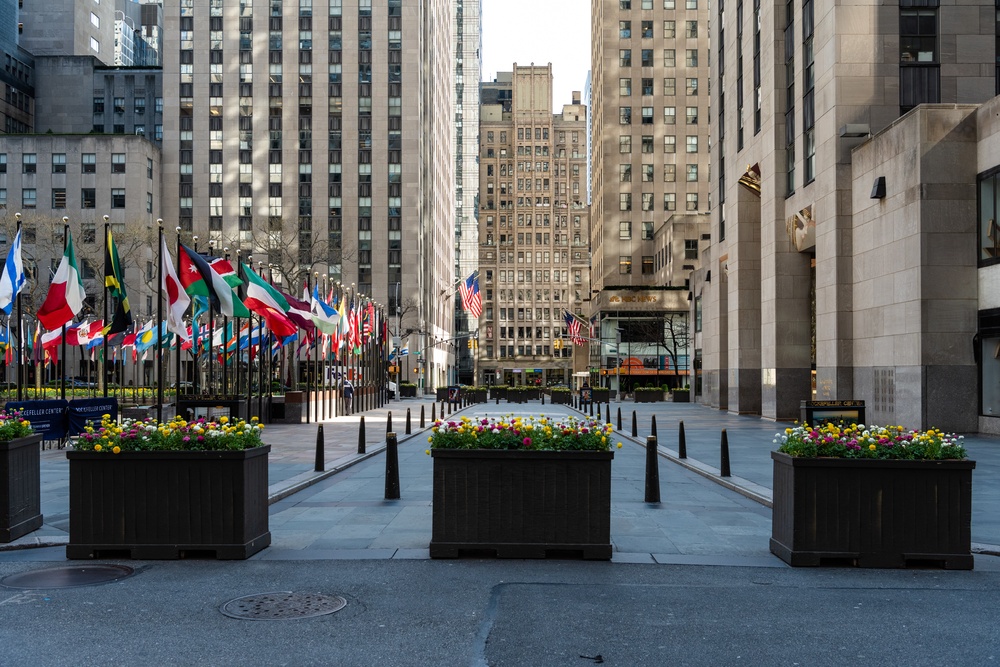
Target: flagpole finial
(106,217)
(65,219)
(17,216)
(177,229)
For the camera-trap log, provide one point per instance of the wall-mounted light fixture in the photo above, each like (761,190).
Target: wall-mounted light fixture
(878,188)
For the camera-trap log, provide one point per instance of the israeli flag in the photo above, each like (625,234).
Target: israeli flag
(12,279)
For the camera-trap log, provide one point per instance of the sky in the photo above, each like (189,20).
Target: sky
(540,32)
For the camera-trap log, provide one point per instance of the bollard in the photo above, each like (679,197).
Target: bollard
(635,429)
(652,471)
(498,398)
(682,445)
(391,468)
(543,398)
(598,412)
(408,431)
(590,404)
(320,463)
(724,456)
(388,422)
(619,419)
(361,436)
(607,410)
(652,426)
(449,408)
(421,416)
(433,412)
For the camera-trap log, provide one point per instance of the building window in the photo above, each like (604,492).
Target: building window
(691,113)
(149,168)
(647,201)
(647,265)
(624,201)
(669,173)
(624,173)
(669,30)
(624,264)
(669,144)
(692,88)
(624,230)
(118,163)
(625,29)
(669,115)
(918,35)
(149,202)
(624,115)
(669,58)
(59,198)
(28,163)
(88,163)
(647,173)
(989,214)
(95,46)
(692,144)
(625,57)
(625,87)
(647,144)
(647,58)
(647,115)
(88,232)
(691,57)
(691,4)
(647,231)
(625,143)
(647,30)
(690,249)
(118,198)
(647,87)
(88,198)
(625,5)
(692,173)
(3,163)
(29,198)
(669,201)
(692,201)
(3,198)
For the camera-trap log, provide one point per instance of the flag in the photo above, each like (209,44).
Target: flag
(324,316)
(13,279)
(199,278)
(404,351)
(268,303)
(472,301)
(78,333)
(593,326)
(114,280)
(298,312)
(573,327)
(177,299)
(66,294)
(222,267)
(50,344)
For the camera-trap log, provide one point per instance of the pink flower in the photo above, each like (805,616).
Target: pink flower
(527,442)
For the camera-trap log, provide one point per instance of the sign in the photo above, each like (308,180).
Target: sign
(46,417)
(84,412)
(848,412)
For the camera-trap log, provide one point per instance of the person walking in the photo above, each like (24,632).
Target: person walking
(349,397)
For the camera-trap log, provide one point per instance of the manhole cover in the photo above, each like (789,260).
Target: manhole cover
(282,605)
(68,577)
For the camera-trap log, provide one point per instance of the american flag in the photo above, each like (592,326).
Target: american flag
(593,326)
(573,327)
(472,301)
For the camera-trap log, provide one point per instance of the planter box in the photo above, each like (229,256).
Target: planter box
(157,505)
(648,396)
(407,392)
(681,395)
(475,395)
(872,513)
(20,487)
(561,398)
(441,393)
(601,395)
(521,504)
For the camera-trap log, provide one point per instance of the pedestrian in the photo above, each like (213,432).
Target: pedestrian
(349,396)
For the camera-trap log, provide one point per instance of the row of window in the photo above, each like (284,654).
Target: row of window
(118,105)
(647,171)
(669,201)
(646,144)
(646,29)
(669,115)
(647,87)
(88,198)
(626,5)
(88,163)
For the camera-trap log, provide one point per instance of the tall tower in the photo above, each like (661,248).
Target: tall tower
(317,136)
(533,228)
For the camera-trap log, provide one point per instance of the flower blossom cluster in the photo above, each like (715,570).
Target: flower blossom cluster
(12,426)
(177,435)
(523,433)
(869,442)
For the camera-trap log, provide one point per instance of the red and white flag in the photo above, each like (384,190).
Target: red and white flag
(66,294)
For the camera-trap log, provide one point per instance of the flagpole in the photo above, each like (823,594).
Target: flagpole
(239,388)
(308,369)
(104,350)
(211,328)
(177,376)
(20,337)
(260,357)
(225,342)
(238,331)
(195,330)
(62,379)
(159,325)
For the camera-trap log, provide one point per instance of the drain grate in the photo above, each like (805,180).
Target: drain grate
(68,577)
(282,606)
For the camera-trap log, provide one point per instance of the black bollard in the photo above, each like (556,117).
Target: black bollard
(408,431)
(724,456)
(635,429)
(391,468)
(449,407)
(433,412)
(361,436)
(320,463)
(421,416)
(607,410)
(619,419)
(652,426)
(598,412)
(543,398)
(388,422)
(590,404)
(682,445)
(498,398)
(652,471)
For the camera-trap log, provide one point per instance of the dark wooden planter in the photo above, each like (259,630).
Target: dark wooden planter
(681,395)
(408,392)
(648,396)
(517,396)
(441,393)
(159,505)
(872,513)
(601,396)
(476,395)
(20,487)
(561,397)
(521,504)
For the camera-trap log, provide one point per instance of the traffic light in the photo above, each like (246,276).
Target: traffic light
(469,343)
(557,344)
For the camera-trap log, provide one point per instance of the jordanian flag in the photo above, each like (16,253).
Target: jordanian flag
(198,278)
(66,293)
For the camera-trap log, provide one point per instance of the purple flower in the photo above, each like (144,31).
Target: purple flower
(527,442)
(186,439)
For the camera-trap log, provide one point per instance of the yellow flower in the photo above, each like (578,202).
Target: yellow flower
(619,445)
(117,449)
(872,446)
(97,448)
(223,419)
(427,452)
(430,439)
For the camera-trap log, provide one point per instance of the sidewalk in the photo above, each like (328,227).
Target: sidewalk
(341,513)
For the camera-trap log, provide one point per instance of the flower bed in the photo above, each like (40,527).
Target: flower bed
(871,497)
(20,477)
(521,433)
